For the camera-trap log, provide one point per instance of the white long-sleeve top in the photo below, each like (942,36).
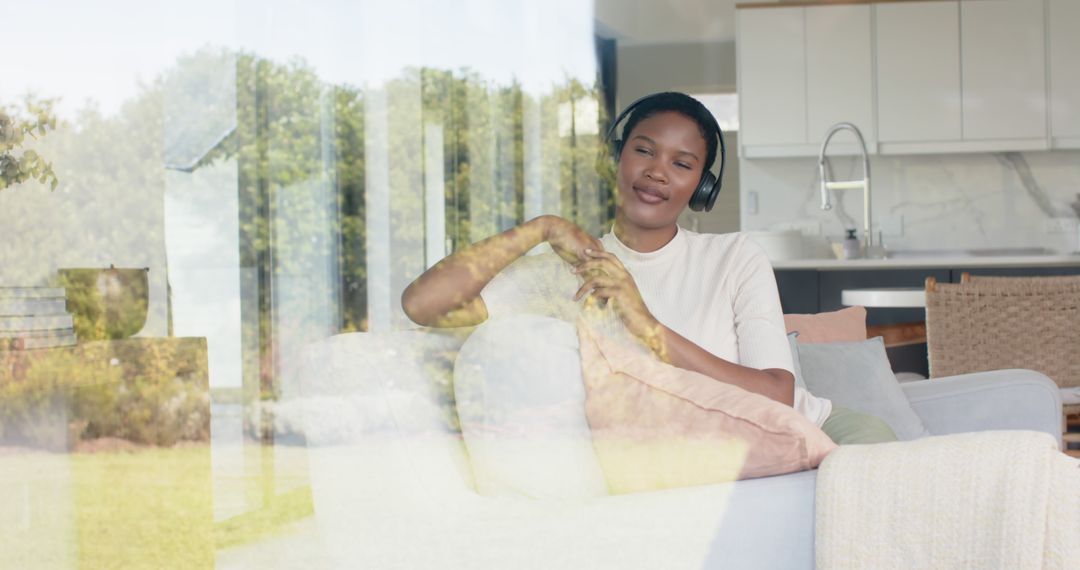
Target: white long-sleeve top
(716,290)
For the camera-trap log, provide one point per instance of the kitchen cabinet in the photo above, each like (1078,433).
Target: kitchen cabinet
(818,290)
(772,76)
(918,74)
(798,291)
(839,68)
(1003,63)
(801,70)
(1064,55)
(917,77)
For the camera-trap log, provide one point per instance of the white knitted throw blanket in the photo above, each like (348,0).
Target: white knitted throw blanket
(1004,499)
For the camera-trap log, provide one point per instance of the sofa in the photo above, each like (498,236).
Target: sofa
(393,485)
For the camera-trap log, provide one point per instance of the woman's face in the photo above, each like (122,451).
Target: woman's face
(659,169)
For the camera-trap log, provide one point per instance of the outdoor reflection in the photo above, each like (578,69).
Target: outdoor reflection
(178,262)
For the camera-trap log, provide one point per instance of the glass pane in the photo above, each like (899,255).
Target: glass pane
(212,211)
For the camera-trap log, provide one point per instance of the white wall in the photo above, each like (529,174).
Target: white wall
(666,21)
(688,67)
(202,238)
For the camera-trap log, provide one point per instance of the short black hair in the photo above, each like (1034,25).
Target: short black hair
(684,105)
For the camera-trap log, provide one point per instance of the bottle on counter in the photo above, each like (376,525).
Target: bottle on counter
(851,246)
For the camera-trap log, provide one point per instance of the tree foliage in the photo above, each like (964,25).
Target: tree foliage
(301,148)
(33,119)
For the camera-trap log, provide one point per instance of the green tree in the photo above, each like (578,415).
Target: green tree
(299,143)
(33,119)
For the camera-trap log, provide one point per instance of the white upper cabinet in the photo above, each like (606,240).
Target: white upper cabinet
(1064,36)
(772,76)
(917,76)
(802,70)
(918,71)
(839,71)
(1003,61)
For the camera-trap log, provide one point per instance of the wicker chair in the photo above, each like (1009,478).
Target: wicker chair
(992,323)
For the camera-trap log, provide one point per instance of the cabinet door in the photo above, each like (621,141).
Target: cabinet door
(1064,68)
(839,67)
(1003,58)
(772,76)
(918,71)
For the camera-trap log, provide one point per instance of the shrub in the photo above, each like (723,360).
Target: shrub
(148,391)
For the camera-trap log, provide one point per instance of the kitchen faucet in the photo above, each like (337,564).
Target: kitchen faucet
(826,185)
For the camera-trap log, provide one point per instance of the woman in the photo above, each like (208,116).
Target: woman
(702,302)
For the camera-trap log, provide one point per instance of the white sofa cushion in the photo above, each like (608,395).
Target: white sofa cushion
(521,403)
(395,381)
(388,396)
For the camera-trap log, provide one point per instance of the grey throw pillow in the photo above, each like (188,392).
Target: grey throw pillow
(857,375)
(795,368)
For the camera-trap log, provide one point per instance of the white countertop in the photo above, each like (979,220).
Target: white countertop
(959,261)
(887,297)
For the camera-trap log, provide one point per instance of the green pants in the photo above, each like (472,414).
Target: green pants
(846,426)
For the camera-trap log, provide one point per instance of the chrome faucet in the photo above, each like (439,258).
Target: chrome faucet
(826,185)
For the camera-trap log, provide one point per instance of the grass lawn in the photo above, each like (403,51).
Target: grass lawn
(148,509)
(151,508)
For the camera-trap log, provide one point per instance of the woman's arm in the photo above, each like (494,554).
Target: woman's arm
(775,383)
(448,294)
(608,280)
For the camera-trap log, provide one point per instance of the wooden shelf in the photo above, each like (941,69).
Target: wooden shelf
(901,334)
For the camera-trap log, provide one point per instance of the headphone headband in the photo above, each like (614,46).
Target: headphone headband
(709,186)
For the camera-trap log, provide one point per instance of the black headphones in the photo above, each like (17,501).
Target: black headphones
(709,187)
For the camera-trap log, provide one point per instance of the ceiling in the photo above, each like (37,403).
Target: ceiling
(642,22)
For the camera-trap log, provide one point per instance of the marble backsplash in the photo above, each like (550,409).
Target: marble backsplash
(951,201)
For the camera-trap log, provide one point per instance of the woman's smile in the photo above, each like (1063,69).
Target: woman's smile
(650,194)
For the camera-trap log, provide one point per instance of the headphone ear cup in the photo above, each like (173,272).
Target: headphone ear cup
(713,193)
(616,149)
(705,194)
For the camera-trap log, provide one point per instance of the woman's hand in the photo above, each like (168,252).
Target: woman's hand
(610,282)
(568,240)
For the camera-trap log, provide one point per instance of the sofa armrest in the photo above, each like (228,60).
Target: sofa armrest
(996,400)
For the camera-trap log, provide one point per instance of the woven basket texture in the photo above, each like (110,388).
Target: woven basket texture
(993,323)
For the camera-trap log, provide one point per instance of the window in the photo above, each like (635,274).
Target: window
(203,357)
